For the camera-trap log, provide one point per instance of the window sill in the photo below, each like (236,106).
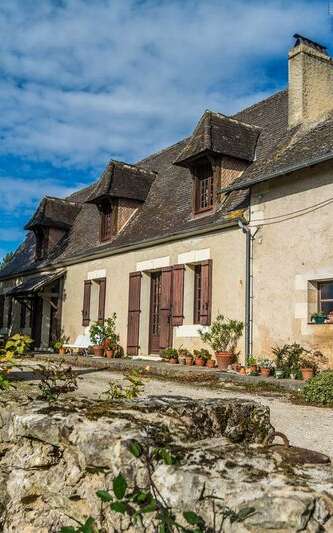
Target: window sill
(324,324)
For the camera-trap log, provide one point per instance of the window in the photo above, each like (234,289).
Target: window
(325,297)
(42,240)
(106,221)
(197,294)
(204,187)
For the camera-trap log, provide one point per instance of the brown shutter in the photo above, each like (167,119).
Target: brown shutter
(165,307)
(178,295)
(101,300)
(206,293)
(86,303)
(9,312)
(2,309)
(133,323)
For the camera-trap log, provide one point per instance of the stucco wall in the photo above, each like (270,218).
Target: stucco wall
(225,248)
(288,255)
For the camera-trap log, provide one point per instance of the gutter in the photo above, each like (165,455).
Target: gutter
(82,258)
(286,170)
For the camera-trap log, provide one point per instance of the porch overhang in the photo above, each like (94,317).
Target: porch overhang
(32,286)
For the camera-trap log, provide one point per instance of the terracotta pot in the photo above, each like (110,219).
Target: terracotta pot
(253,368)
(224,359)
(173,361)
(189,361)
(242,371)
(307,373)
(210,363)
(265,372)
(99,350)
(237,367)
(62,351)
(182,360)
(109,353)
(199,362)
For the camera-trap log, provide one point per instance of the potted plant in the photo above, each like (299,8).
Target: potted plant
(58,345)
(266,366)
(170,355)
(252,364)
(183,354)
(111,337)
(189,359)
(210,362)
(242,371)
(97,337)
(201,357)
(311,363)
(318,318)
(308,368)
(223,336)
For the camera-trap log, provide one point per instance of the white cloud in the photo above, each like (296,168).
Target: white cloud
(88,80)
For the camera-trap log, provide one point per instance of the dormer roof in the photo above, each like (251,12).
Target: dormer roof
(55,213)
(220,135)
(121,180)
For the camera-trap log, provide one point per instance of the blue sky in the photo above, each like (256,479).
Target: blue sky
(84,81)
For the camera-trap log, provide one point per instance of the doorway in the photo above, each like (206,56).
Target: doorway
(154,322)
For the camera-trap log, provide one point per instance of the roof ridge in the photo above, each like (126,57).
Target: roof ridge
(116,161)
(159,152)
(274,95)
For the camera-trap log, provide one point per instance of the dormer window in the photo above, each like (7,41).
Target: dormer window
(42,238)
(107,216)
(203,183)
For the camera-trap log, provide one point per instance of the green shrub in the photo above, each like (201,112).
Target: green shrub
(319,389)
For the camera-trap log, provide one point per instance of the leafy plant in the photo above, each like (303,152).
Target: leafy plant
(266,363)
(315,360)
(202,354)
(184,352)
(320,316)
(111,338)
(59,343)
(18,344)
(117,391)
(251,361)
(97,333)
(169,353)
(223,334)
(319,389)
(288,358)
(55,379)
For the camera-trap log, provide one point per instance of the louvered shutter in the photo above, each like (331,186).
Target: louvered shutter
(206,293)
(86,303)
(101,300)
(178,295)
(133,323)
(165,307)
(2,308)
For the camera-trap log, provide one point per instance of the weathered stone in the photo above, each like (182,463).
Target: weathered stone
(54,459)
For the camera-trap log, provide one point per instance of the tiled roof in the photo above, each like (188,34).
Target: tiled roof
(218,134)
(54,212)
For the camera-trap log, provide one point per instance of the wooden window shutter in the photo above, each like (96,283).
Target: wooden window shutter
(165,307)
(2,309)
(9,312)
(206,293)
(101,300)
(133,323)
(86,303)
(178,295)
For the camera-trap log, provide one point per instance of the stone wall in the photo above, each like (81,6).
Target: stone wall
(54,459)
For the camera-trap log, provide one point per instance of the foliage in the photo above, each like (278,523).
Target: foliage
(15,346)
(320,316)
(223,334)
(6,259)
(97,333)
(55,379)
(59,343)
(133,389)
(184,352)
(141,504)
(202,354)
(18,344)
(110,333)
(251,361)
(266,363)
(315,360)
(319,389)
(288,358)
(169,353)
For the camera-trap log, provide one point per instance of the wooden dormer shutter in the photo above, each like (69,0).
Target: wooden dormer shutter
(86,303)
(206,293)
(178,295)
(133,323)
(101,300)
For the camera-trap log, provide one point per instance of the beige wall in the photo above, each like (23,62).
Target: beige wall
(287,256)
(225,248)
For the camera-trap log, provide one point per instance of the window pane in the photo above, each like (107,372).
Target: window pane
(326,307)
(326,290)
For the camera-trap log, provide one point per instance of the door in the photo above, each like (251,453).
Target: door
(154,323)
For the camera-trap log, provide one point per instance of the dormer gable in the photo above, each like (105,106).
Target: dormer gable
(121,189)
(51,222)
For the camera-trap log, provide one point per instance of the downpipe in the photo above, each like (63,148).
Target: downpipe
(248,289)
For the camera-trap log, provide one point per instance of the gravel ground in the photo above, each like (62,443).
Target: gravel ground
(305,426)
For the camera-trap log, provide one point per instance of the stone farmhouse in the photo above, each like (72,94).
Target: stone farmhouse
(236,218)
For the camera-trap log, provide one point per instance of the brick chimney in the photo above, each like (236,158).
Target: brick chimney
(310,90)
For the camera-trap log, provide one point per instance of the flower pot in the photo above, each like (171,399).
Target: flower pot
(265,372)
(109,353)
(236,367)
(279,374)
(199,362)
(224,359)
(98,350)
(182,360)
(319,319)
(173,361)
(242,371)
(210,363)
(62,351)
(189,361)
(253,368)
(307,373)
